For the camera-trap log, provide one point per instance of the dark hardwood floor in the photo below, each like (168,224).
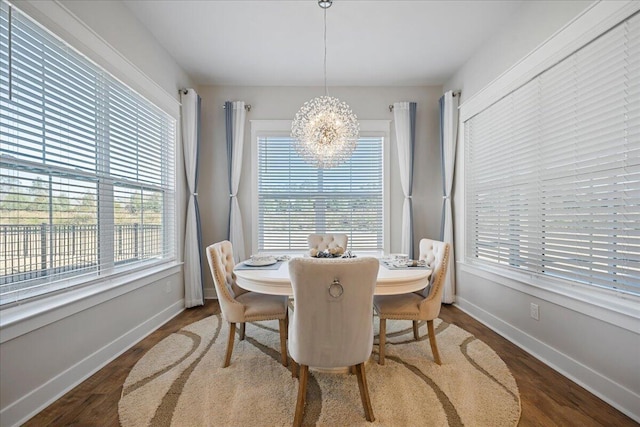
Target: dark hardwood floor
(548,398)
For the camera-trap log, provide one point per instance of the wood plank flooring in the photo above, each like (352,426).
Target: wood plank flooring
(548,398)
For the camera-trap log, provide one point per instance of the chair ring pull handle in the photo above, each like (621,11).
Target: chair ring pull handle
(335,289)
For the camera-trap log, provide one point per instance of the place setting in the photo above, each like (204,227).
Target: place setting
(401,262)
(337,252)
(263,262)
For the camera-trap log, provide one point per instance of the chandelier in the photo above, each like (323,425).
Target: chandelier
(325,129)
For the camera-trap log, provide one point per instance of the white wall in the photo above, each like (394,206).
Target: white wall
(534,22)
(587,347)
(46,355)
(282,103)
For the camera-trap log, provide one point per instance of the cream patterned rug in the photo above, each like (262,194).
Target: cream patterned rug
(180,382)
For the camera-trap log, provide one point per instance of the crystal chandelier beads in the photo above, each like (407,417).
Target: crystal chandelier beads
(326,131)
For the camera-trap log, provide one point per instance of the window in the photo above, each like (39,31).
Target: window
(86,167)
(552,170)
(295,199)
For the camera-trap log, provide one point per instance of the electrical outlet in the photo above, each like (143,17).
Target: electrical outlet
(535,312)
(168,287)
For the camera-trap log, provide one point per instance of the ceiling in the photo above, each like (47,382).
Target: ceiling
(280,43)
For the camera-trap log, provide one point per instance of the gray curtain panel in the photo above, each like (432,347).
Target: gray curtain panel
(195,190)
(412,117)
(442,166)
(228,121)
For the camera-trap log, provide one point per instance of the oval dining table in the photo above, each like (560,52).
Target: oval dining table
(277,282)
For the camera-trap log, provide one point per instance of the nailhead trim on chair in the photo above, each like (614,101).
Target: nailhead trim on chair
(220,278)
(265,317)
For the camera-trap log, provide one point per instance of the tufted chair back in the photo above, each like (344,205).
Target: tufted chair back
(220,256)
(327,241)
(436,256)
(416,306)
(331,329)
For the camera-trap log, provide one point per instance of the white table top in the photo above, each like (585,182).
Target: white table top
(277,282)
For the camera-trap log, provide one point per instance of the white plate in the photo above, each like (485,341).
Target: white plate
(261,263)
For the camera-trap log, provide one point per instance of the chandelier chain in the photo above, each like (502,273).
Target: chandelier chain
(326,89)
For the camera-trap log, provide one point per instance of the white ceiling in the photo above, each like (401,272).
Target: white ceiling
(280,43)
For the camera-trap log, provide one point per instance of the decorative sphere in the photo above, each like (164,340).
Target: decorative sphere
(326,131)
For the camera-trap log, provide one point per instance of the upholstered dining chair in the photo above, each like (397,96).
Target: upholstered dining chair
(417,306)
(239,305)
(332,322)
(321,242)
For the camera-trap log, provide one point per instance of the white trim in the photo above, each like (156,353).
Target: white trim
(591,23)
(210,293)
(35,401)
(617,309)
(459,199)
(283,127)
(29,316)
(617,395)
(59,20)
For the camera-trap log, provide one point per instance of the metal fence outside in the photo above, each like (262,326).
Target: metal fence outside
(33,251)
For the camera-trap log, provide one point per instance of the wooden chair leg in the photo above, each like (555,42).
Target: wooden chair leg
(364,392)
(294,368)
(352,370)
(283,341)
(383,339)
(302,395)
(432,342)
(232,332)
(286,318)
(416,335)
(242,327)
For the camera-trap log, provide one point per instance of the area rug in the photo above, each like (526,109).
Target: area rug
(180,382)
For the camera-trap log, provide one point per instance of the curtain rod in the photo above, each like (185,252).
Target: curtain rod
(186,91)
(246,107)
(455,93)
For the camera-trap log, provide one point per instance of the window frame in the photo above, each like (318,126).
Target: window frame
(368,128)
(28,315)
(617,308)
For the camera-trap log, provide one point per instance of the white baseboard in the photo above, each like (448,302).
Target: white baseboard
(618,396)
(38,399)
(210,293)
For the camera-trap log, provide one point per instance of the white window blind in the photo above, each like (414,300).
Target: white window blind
(296,199)
(552,171)
(86,167)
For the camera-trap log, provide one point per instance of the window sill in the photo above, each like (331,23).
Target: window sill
(23,318)
(609,306)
